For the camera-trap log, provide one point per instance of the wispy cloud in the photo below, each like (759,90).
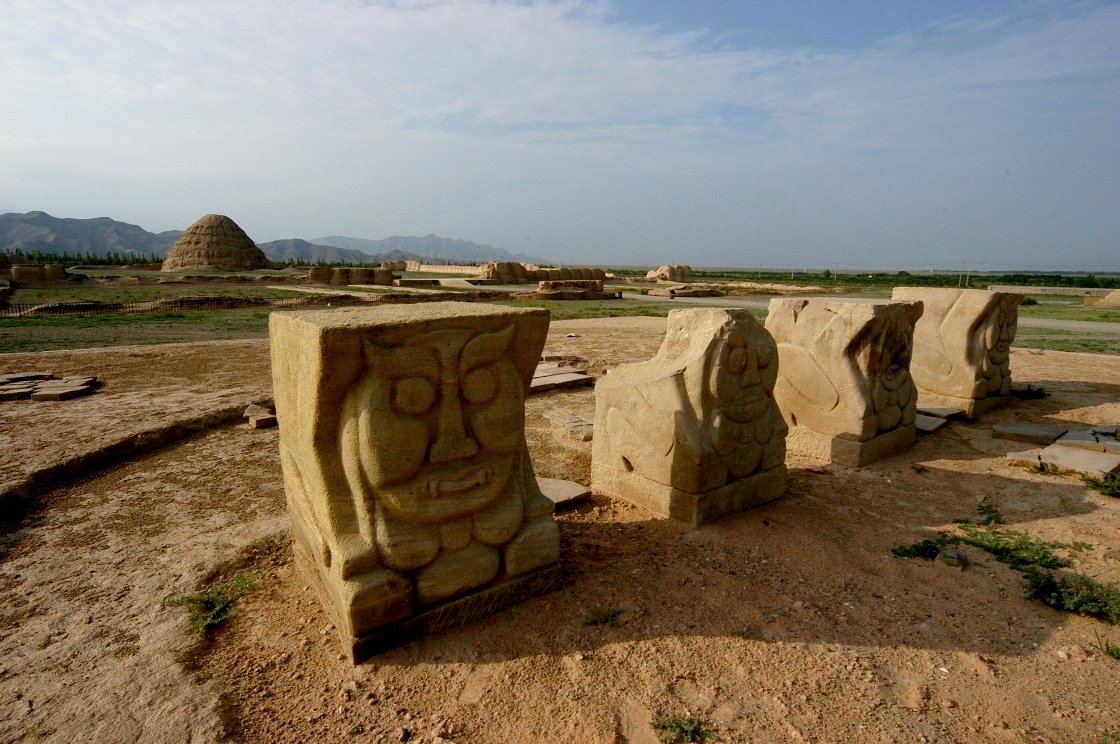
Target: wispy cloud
(475,95)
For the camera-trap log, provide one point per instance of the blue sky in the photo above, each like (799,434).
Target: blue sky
(901,135)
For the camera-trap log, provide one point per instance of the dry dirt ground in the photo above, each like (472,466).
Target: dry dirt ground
(788,623)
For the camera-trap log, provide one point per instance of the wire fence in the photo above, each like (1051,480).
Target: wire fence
(170,305)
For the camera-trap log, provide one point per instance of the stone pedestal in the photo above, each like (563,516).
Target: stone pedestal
(962,346)
(693,434)
(844,384)
(413,502)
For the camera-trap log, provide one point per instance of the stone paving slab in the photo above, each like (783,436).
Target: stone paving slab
(262,421)
(1018,431)
(1081,439)
(1084,461)
(552,382)
(944,412)
(928,424)
(61,393)
(564,494)
(24,376)
(1110,430)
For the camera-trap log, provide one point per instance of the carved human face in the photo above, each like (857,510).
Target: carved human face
(441,421)
(743,371)
(885,361)
(991,345)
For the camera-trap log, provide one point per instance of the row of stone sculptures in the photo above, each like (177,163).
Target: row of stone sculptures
(411,493)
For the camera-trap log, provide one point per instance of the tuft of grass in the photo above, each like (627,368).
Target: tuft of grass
(1109,485)
(989,514)
(1107,647)
(1016,549)
(609,617)
(208,609)
(926,549)
(1074,593)
(677,728)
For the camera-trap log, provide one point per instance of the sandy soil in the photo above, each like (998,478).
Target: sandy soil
(788,623)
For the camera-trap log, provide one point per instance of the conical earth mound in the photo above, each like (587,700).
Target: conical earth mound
(215,240)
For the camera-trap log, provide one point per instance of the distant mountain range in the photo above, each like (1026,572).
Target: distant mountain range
(101,236)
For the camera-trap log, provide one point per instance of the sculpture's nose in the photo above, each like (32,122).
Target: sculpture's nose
(452,442)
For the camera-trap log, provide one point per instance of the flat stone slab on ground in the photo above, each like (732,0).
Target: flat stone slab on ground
(11,392)
(1110,430)
(944,412)
(61,393)
(564,493)
(1082,439)
(1084,461)
(570,379)
(1018,431)
(24,376)
(928,424)
(262,421)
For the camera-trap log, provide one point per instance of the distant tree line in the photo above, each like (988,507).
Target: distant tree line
(899,278)
(17,256)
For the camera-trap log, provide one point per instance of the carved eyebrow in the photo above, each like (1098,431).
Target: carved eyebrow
(485,348)
(402,361)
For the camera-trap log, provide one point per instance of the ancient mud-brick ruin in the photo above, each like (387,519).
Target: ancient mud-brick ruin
(844,386)
(676,274)
(411,494)
(962,346)
(693,433)
(215,240)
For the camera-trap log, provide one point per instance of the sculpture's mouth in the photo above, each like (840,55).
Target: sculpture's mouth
(440,486)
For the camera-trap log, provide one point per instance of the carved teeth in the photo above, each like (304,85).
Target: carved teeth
(438,486)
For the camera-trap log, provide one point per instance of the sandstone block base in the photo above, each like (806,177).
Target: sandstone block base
(386,606)
(972,407)
(694,508)
(848,452)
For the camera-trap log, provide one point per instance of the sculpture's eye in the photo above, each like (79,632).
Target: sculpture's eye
(765,354)
(415,395)
(737,360)
(479,385)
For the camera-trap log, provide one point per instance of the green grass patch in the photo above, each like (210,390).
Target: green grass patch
(1016,549)
(1048,339)
(677,728)
(1109,485)
(81,332)
(1107,647)
(576,309)
(208,609)
(1074,593)
(612,618)
(151,293)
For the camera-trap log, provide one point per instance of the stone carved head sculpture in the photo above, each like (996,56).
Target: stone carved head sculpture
(962,343)
(845,364)
(405,463)
(429,438)
(695,418)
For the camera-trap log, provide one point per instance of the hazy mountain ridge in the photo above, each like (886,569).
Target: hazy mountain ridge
(432,246)
(100,236)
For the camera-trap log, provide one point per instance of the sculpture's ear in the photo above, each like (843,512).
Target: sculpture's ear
(485,348)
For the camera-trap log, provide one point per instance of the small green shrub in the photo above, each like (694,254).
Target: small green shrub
(677,728)
(208,609)
(610,617)
(1109,485)
(1012,547)
(1107,647)
(1074,593)
(927,549)
(990,514)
